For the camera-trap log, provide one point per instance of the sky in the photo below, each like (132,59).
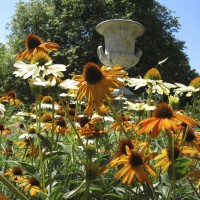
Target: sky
(187,11)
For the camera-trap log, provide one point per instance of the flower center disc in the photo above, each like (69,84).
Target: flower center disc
(135,160)
(163,111)
(92,73)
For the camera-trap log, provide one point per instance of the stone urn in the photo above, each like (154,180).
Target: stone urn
(120,37)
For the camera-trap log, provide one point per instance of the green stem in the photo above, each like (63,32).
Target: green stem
(38,122)
(173,181)
(149,99)
(72,124)
(116,116)
(12,188)
(52,142)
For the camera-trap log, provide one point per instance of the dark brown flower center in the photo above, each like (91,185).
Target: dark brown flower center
(122,146)
(92,73)
(60,121)
(12,94)
(32,41)
(17,171)
(190,136)
(83,121)
(1,127)
(176,153)
(163,111)
(33,181)
(31,130)
(135,159)
(21,126)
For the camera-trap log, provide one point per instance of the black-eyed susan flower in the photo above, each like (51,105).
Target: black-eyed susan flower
(41,65)
(25,143)
(165,159)
(16,173)
(31,185)
(122,146)
(11,98)
(135,165)
(61,126)
(164,118)
(35,44)
(33,151)
(152,79)
(190,137)
(96,82)
(91,127)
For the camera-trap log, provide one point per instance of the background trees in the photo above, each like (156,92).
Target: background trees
(71,23)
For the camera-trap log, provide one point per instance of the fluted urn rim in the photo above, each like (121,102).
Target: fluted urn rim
(137,27)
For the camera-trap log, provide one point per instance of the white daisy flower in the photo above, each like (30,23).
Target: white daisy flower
(36,70)
(139,106)
(152,80)
(188,89)
(66,84)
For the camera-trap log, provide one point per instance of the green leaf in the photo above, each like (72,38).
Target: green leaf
(56,195)
(45,141)
(181,165)
(114,195)
(74,192)
(54,154)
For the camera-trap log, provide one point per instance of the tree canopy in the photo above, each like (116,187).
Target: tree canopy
(71,23)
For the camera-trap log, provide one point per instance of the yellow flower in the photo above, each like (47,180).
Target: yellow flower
(91,127)
(191,138)
(164,118)
(11,98)
(15,173)
(61,126)
(96,82)
(165,156)
(135,165)
(35,44)
(32,185)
